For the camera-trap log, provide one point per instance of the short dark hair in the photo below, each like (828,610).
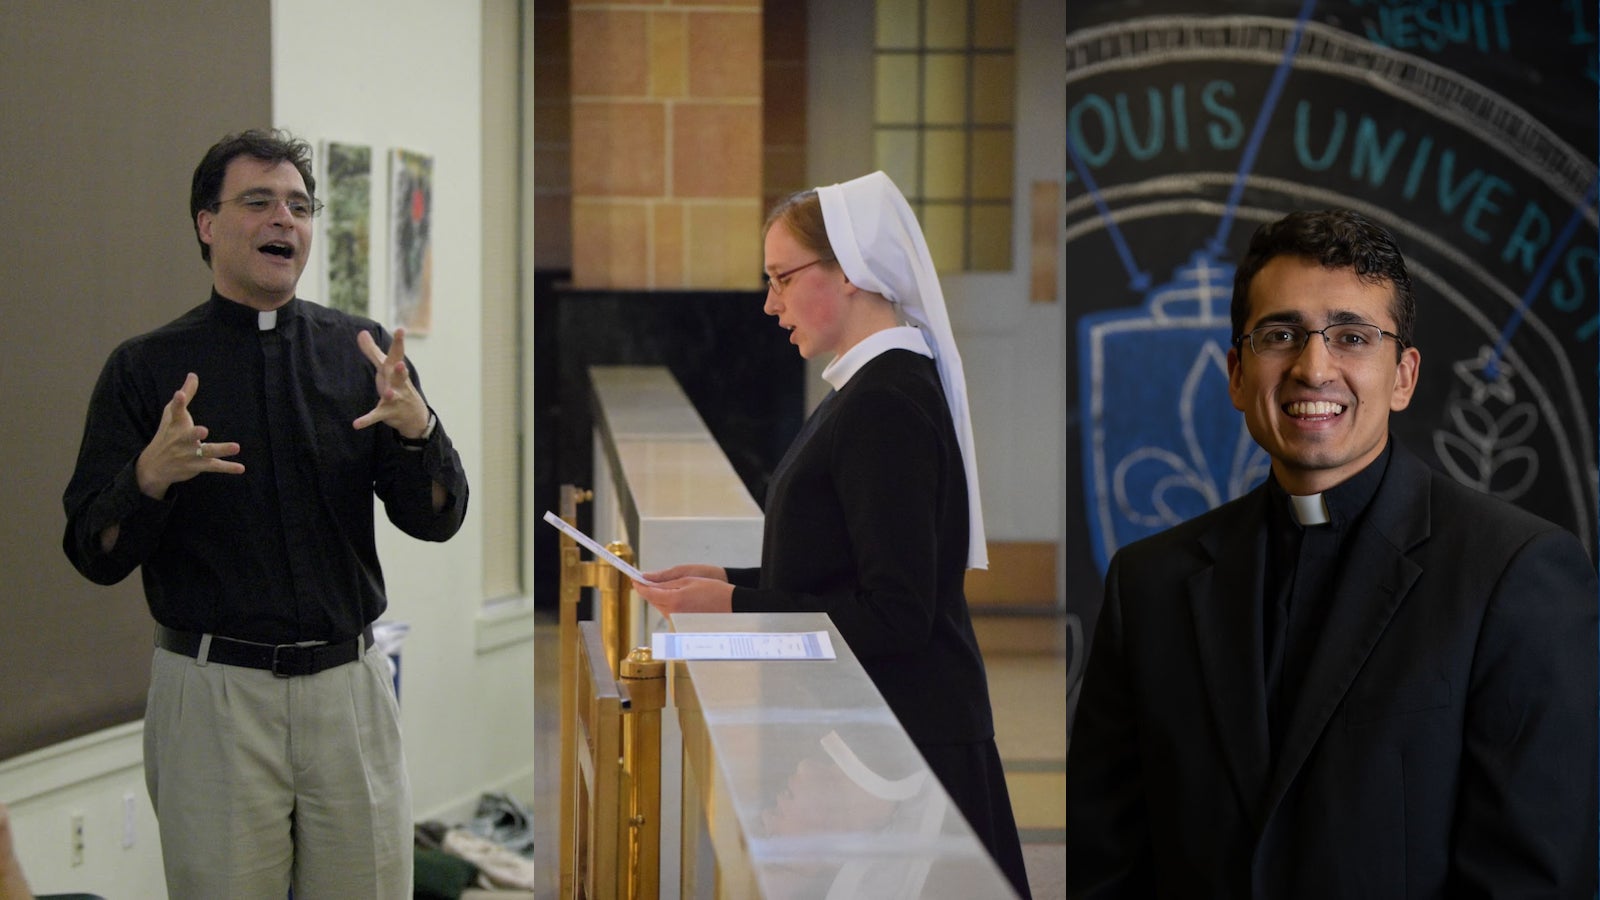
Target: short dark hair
(267,145)
(1335,239)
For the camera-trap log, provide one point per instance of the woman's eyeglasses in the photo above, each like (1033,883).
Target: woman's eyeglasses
(776,283)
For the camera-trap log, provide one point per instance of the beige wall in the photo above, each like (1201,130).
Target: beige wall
(409,74)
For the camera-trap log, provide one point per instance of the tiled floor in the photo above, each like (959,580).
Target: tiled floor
(1026,660)
(1027,663)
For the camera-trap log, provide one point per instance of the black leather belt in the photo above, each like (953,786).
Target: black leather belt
(282,660)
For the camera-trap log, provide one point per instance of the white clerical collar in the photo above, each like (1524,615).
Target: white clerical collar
(266,320)
(848,363)
(1310,509)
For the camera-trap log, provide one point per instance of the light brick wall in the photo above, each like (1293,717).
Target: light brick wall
(666,144)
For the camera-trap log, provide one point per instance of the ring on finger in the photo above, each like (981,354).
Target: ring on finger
(199,449)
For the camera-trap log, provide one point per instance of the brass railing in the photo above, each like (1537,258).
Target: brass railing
(610,733)
(593,810)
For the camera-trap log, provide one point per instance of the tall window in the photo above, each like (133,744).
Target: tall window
(943,122)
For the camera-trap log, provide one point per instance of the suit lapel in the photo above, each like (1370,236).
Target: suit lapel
(1368,593)
(1225,602)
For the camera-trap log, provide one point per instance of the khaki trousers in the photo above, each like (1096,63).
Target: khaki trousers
(262,783)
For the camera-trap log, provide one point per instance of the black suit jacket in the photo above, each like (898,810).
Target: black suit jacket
(1444,743)
(866,520)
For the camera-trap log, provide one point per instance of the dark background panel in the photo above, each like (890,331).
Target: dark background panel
(732,360)
(100,137)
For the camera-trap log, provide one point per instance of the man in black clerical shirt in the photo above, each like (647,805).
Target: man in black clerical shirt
(232,455)
(1361,679)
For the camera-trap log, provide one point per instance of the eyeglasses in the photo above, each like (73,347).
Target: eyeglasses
(1347,339)
(776,283)
(298,206)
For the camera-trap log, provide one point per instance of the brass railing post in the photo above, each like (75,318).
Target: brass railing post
(615,609)
(574,577)
(646,680)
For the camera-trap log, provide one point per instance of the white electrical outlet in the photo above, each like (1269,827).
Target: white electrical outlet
(128,811)
(77,839)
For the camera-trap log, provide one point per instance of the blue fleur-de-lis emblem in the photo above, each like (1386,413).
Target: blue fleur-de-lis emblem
(1162,441)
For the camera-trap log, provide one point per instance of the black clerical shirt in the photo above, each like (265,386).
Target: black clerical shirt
(1303,567)
(284,552)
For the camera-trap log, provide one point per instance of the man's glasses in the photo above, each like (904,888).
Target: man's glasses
(260,202)
(776,283)
(1348,339)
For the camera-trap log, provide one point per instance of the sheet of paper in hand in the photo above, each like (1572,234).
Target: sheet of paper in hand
(594,547)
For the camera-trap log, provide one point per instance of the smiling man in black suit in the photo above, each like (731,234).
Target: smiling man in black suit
(1361,679)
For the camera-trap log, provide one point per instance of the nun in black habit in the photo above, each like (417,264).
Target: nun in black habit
(873,515)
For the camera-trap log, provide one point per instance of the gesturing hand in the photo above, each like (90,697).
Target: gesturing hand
(399,404)
(178,452)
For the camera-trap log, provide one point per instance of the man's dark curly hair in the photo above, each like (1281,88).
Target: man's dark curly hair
(269,146)
(1336,239)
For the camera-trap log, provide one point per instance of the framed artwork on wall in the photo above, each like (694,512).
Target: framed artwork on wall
(411,246)
(347,226)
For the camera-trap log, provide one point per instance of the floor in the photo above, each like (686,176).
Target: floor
(1026,659)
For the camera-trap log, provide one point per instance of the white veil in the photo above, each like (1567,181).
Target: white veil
(880,247)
